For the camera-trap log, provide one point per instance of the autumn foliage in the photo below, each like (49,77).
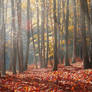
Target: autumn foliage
(67,79)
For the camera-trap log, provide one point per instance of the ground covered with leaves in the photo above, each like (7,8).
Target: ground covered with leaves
(67,79)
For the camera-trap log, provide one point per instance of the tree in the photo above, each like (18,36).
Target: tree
(91,16)
(84,43)
(47,26)
(19,37)
(34,49)
(74,35)
(91,32)
(38,32)
(66,35)
(28,34)
(0,31)
(14,38)
(63,25)
(85,10)
(55,36)
(42,32)
(2,56)
(59,28)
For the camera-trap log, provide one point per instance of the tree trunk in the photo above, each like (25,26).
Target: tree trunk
(59,29)
(55,36)
(3,63)
(0,31)
(28,34)
(84,7)
(84,43)
(91,33)
(14,38)
(34,49)
(74,35)
(66,35)
(63,26)
(42,30)
(19,37)
(38,33)
(47,26)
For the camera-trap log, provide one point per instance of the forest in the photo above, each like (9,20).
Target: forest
(45,45)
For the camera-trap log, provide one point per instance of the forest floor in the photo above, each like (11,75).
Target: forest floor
(67,79)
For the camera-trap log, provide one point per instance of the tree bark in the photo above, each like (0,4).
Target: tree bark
(59,29)
(47,26)
(34,49)
(84,7)
(91,33)
(14,38)
(55,36)
(84,43)
(63,26)
(19,37)
(3,62)
(38,33)
(66,35)
(42,30)
(74,34)
(0,31)
(28,34)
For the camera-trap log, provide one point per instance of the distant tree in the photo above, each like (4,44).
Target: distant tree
(75,30)
(19,37)
(91,32)
(63,26)
(0,32)
(50,16)
(34,49)
(59,29)
(42,32)
(47,26)
(2,49)
(28,34)
(55,36)
(66,35)
(14,38)
(38,31)
(91,15)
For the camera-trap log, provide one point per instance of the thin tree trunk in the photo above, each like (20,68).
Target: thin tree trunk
(63,26)
(19,37)
(91,17)
(59,29)
(47,26)
(38,33)
(42,30)
(55,36)
(0,31)
(28,34)
(52,28)
(74,34)
(34,49)
(91,33)
(14,38)
(3,62)
(66,35)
